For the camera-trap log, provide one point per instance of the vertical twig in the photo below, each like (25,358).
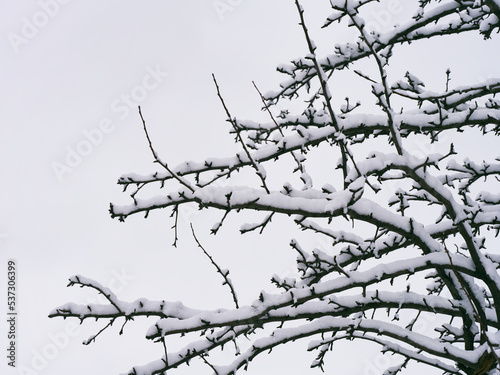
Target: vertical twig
(258,168)
(176,213)
(344,150)
(324,88)
(300,166)
(396,137)
(448,78)
(166,353)
(219,270)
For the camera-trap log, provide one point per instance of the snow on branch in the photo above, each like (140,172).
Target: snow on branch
(401,233)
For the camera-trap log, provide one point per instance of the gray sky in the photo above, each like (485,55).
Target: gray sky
(71,77)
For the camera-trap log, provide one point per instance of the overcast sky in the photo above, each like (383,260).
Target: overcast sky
(72,74)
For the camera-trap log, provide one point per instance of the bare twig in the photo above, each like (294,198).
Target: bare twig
(175,212)
(166,353)
(93,337)
(224,275)
(203,357)
(258,168)
(181,180)
(324,88)
(344,150)
(396,137)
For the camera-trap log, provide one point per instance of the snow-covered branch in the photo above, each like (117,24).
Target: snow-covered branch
(404,232)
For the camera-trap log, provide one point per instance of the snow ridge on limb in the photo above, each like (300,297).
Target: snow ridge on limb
(422,229)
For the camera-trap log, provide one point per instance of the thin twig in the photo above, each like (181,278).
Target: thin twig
(174,227)
(344,150)
(158,160)
(202,356)
(396,137)
(448,78)
(262,225)
(123,325)
(92,338)
(166,354)
(219,270)
(324,88)
(235,127)
(300,166)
